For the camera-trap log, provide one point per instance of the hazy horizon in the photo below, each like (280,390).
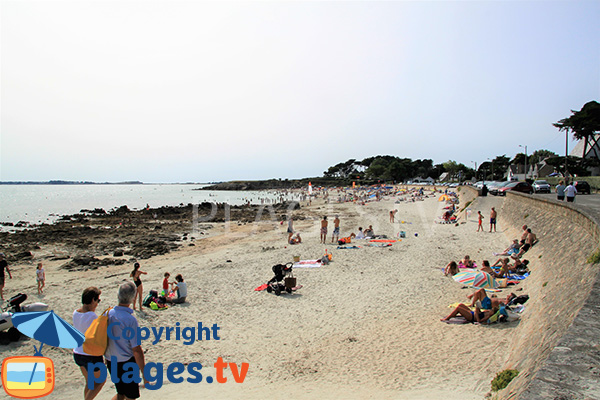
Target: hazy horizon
(167,92)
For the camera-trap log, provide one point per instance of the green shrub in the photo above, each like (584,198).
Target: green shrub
(503,378)
(594,258)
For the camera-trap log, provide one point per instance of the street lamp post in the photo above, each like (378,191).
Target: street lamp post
(492,161)
(525,147)
(475,169)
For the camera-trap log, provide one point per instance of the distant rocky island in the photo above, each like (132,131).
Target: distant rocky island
(69,183)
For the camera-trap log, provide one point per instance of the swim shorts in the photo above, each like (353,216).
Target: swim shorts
(324,230)
(336,231)
(525,247)
(492,221)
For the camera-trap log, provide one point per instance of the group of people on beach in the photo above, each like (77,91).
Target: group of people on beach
(294,237)
(173,292)
(482,307)
(121,350)
(493,217)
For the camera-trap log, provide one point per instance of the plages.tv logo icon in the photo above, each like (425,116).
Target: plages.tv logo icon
(32,377)
(28,377)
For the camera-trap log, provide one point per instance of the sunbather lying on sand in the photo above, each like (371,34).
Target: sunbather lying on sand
(471,316)
(510,250)
(466,262)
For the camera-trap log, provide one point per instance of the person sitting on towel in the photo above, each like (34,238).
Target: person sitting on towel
(296,239)
(360,234)
(488,303)
(451,269)
(369,231)
(180,289)
(479,316)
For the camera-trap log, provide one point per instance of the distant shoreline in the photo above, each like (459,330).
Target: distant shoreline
(97,183)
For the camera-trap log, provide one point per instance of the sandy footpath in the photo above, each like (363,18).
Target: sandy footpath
(365,326)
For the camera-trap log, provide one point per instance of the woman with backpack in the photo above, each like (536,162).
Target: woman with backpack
(82,319)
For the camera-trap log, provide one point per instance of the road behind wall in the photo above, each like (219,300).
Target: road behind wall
(556,345)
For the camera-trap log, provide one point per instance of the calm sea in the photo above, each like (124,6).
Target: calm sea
(45,203)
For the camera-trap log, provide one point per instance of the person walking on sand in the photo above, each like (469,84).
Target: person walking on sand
(82,319)
(136,274)
(570,192)
(40,277)
(493,215)
(3,266)
(324,229)
(480,217)
(393,215)
(123,348)
(336,229)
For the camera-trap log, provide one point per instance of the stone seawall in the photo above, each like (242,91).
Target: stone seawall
(466,194)
(556,345)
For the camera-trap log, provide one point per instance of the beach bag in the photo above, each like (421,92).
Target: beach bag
(149,299)
(290,282)
(96,338)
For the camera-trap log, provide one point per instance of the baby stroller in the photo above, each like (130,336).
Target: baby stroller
(282,273)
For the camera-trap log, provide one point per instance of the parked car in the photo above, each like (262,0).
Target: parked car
(582,187)
(494,190)
(541,186)
(523,187)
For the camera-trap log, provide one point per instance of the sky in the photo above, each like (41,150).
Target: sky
(190,91)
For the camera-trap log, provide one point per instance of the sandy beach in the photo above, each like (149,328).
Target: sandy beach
(365,326)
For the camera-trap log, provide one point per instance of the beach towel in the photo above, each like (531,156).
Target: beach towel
(380,245)
(348,247)
(383,240)
(308,264)
(457,320)
(454,305)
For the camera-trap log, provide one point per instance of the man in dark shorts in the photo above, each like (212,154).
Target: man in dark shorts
(3,266)
(493,216)
(124,351)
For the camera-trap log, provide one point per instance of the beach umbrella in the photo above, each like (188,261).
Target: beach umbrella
(478,279)
(443,198)
(48,328)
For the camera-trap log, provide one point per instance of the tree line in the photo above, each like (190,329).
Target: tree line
(583,124)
